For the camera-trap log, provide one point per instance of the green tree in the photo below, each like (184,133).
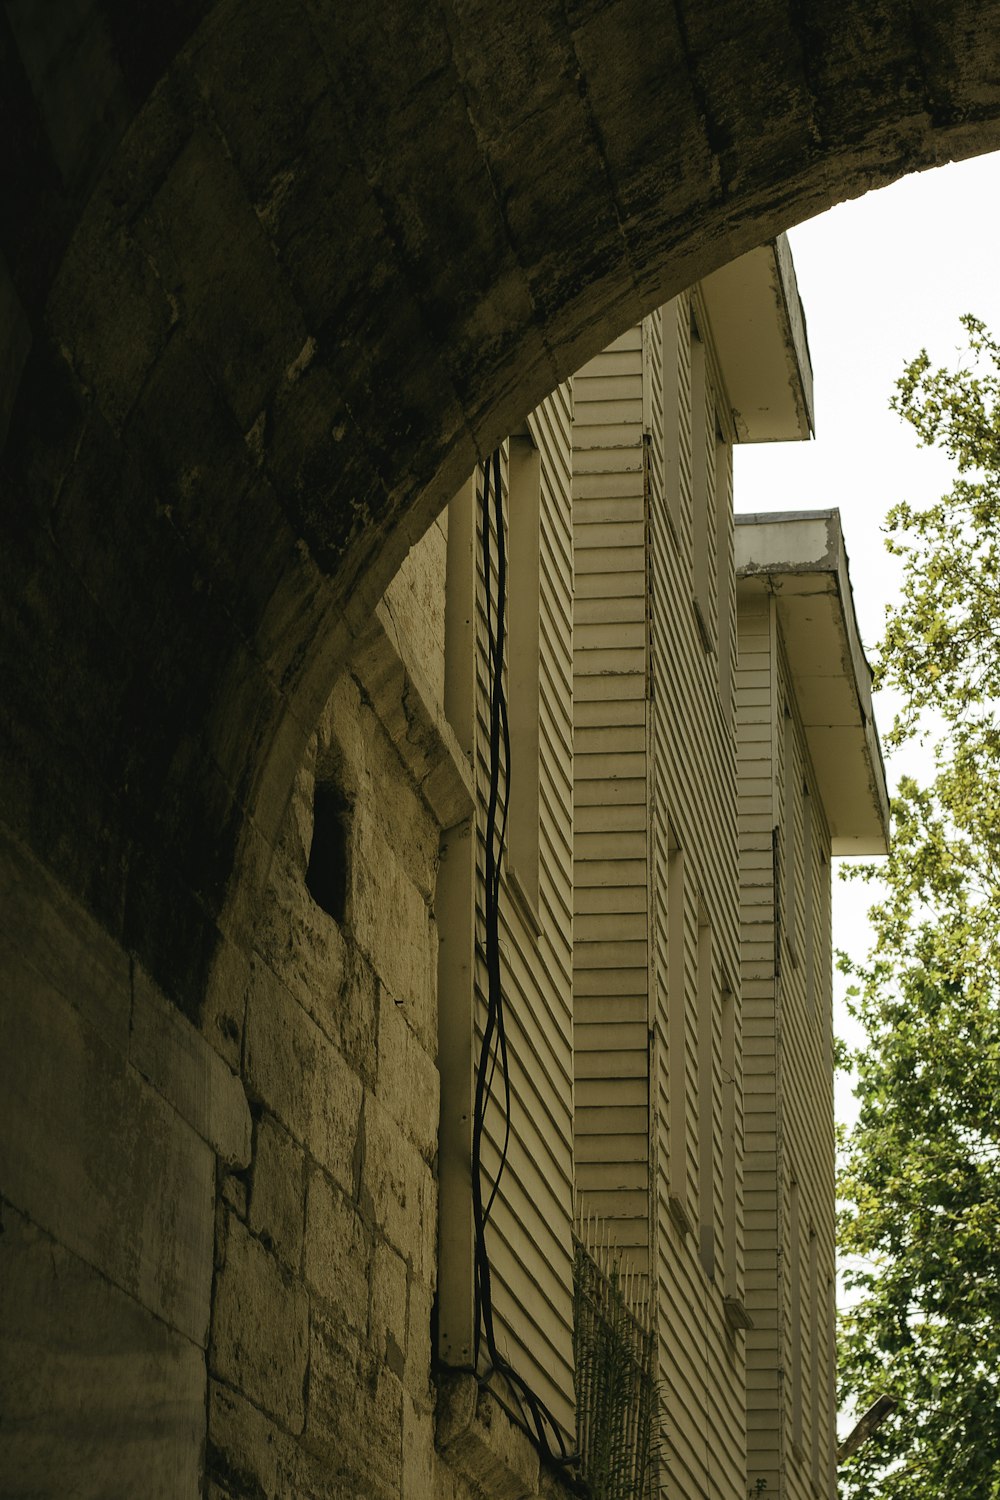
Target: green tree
(920,1188)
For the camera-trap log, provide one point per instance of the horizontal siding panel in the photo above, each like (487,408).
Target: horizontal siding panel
(596,560)
(610,687)
(598,582)
(609,984)
(606,413)
(620,790)
(611,1120)
(607,901)
(604,818)
(607,611)
(614,1148)
(617,1093)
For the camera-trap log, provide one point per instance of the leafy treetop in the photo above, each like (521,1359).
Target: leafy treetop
(920,1187)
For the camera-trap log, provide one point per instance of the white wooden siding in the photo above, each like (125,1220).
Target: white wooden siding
(692,786)
(529,1235)
(655,794)
(610,959)
(787,998)
(530,1244)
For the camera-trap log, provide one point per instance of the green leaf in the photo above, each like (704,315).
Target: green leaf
(919,1185)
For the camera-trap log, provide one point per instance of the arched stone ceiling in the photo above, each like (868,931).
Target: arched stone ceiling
(276,274)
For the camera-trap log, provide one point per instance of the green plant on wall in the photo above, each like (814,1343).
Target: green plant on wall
(615,1383)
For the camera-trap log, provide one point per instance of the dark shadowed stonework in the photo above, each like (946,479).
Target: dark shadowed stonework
(272,277)
(276,274)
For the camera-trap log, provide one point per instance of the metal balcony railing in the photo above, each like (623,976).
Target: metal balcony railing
(614,1351)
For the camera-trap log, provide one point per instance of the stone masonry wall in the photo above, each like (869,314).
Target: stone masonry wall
(218,1280)
(325,1248)
(115,1118)
(320,1361)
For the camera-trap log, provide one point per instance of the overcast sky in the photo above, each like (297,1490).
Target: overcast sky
(880,278)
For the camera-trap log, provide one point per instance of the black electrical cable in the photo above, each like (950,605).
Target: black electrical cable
(493,1056)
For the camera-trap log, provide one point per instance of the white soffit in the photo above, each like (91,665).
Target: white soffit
(799,557)
(759,333)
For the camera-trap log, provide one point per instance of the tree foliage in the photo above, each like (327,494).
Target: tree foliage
(920,1188)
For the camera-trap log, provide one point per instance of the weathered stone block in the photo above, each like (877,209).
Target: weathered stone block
(233,1192)
(357,1017)
(223,1010)
(385,1407)
(391,920)
(397,1185)
(96,1157)
(306,949)
(338,1251)
(336,1412)
(400,812)
(392,671)
(260,1322)
(246,1451)
(448,785)
(112,1406)
(63,943)
(418,1450)
(426,1266)
(388,1321)
(417,1375)
(480,1442)
(114,328)
(190,1075)
(415,600)
(199,211)
(399,693)
(297,826)
(408,1080)
(253,65)
(356,741)
(350,1395)
(297,1072)
(277,1199)
(301,943)
(248,1454)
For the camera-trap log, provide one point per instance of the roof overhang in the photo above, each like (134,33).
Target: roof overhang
(799,557)
(759,332)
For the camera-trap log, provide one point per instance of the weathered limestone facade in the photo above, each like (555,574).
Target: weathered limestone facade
(117,1123)
(326,1243)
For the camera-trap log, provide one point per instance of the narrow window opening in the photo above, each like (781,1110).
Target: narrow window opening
(326,875)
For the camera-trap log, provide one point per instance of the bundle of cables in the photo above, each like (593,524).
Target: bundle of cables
(532,1412)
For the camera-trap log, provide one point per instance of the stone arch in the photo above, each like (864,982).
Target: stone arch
(276,275)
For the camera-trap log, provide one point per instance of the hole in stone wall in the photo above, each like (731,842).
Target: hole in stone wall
(326,876)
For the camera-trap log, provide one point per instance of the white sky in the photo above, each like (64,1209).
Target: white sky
(880,278)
